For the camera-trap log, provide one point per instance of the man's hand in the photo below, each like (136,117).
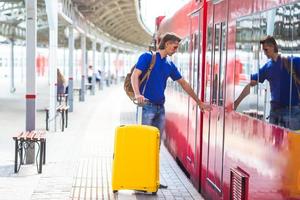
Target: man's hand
(139,99)
(204,107)
(235,104)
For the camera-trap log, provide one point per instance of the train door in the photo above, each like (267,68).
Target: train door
(216,129)
(193,111)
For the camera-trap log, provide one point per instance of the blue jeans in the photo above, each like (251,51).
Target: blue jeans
(283,117)
(154,115)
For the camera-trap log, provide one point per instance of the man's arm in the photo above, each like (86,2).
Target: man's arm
(187,88)
(135,82)
(244,93)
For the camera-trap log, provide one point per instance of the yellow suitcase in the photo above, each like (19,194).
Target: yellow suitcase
(136,161)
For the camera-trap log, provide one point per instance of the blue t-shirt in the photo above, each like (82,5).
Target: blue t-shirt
(279,79)
(157,82)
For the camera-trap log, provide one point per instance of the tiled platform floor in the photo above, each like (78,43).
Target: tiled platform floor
(78,164)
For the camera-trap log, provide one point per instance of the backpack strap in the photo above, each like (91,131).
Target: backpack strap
(147,75)
(287,65)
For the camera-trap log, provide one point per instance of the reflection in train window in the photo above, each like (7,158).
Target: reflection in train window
(181,60)
(247,42)
(283,24)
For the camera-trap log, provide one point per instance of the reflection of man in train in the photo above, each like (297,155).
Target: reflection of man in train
(278,71)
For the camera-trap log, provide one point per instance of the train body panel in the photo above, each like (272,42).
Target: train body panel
(218,147)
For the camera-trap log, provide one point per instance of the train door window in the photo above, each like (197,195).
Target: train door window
(184,60)
(219,64)
(222,65)
(216,64)
(181,61)
(208,64)
(195,80)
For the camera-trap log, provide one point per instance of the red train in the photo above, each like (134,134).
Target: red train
(227,153)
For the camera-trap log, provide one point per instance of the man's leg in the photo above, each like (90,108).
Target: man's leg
(154,117)
(159,122)
(148,115)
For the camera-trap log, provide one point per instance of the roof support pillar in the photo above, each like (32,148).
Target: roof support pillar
(94,68)
(31,20)
(71,71)
(102,65)
(83,67)
(52,12)
(117,66)
(12,66)
(108,81)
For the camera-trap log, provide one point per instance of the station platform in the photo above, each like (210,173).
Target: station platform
(79,160)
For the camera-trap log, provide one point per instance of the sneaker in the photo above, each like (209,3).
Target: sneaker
(161,186)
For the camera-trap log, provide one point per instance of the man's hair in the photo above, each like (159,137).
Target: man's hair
(269,40)
(168,37)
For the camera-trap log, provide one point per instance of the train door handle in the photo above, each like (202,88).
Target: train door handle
(189,159)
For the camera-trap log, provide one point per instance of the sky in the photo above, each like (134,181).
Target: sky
(150,9)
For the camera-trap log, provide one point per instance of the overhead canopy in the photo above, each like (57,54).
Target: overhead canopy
(120,19)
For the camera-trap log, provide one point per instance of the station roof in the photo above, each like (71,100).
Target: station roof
(120,19)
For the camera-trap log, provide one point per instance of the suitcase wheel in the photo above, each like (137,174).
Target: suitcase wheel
(154,193)
(144,191)
(114,191)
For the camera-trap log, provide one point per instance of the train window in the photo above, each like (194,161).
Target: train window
(283,23)
(246,63)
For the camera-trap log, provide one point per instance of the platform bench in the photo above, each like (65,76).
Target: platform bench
(63,110)
(26,140)
(79,92)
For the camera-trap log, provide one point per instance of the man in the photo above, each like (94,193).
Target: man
(153,110)
(154,98)
(285,109)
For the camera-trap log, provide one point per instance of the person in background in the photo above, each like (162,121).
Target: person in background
(62,89)
(285,109)
(98,78)
(90,73)
(60,83)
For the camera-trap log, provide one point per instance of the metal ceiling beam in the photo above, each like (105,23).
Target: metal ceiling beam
(110,15)
(107,13)
(68,10)
(10,31)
